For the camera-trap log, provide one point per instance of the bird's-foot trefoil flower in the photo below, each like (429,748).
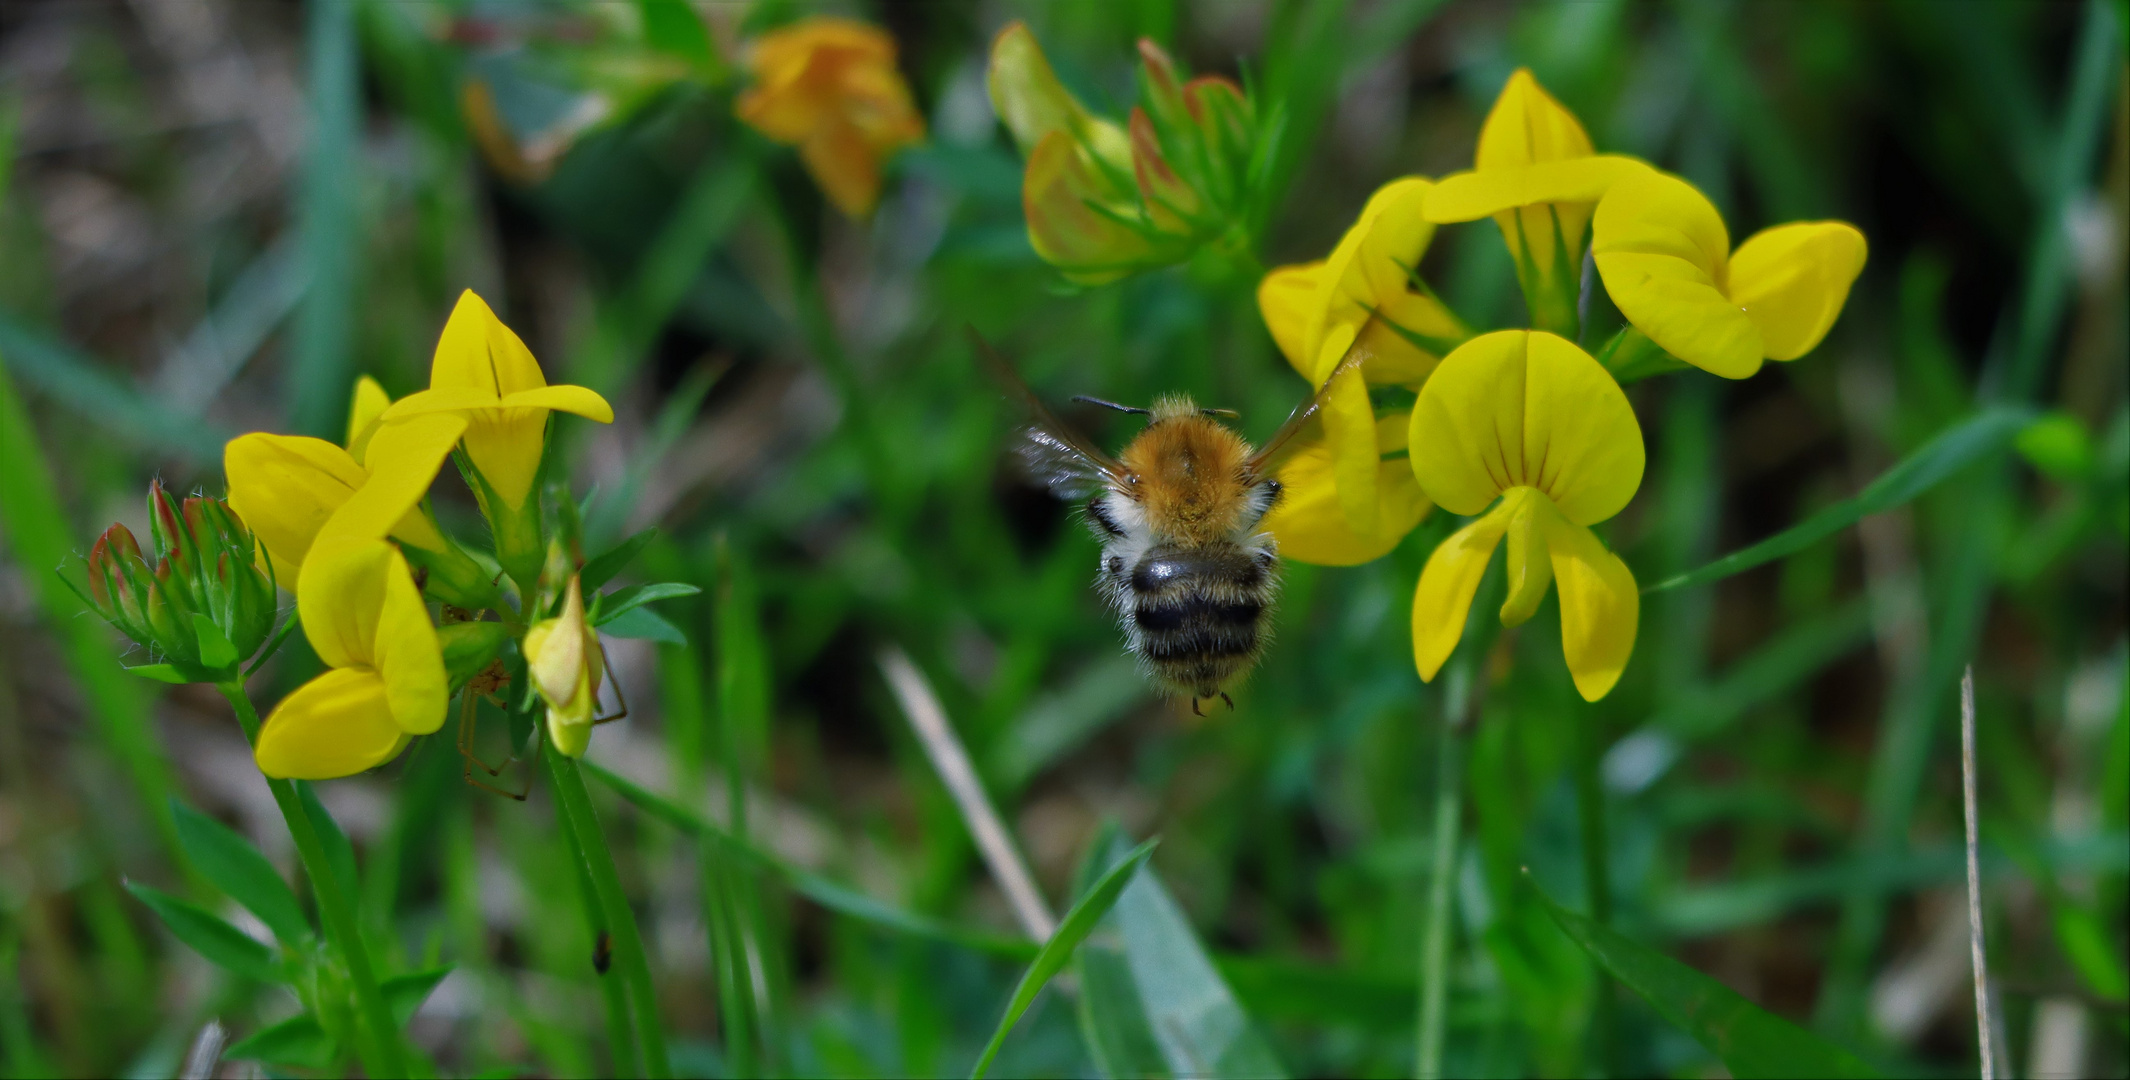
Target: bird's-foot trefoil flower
(285,487)
(1529,424)
(364,616)
(1667,263)
(1537,175)
(1365,300)
(1308,521)
(829,86)
(1105,200)
(484,373)
(564,662)
(201,602)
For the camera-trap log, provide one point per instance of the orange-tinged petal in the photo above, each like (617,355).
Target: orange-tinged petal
(845,165)
(1528,125)
(1793,279)
(1665,257)
(1526,408)
(1086,246)
(1286,298)
(338,724)
(1447,583)
(1600,608)
(1309,523)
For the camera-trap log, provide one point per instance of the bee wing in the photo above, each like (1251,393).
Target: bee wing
(1060,457)
(1281,443)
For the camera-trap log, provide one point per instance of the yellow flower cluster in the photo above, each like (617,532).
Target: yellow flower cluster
(1522,428)
(829,86)
(345,525)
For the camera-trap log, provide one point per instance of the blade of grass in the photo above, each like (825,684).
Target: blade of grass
(576,804)
(1978,955)
(35,526)
(921,706)
(1940,459)
(1750,1041)
(89,387)
(1056,952)
(620,1032)
(321,364)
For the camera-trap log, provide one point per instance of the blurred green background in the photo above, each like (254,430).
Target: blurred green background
(218,213)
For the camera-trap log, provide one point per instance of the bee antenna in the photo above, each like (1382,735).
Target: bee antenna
(1229,414)
(1112,405)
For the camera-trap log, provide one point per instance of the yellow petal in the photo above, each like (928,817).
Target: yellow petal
(1527,125)
(1286,298)
(1444,596)
(404,459)
(1309,523)
(476,351)
(339,597)
(1793,279)
(1599,608)
(1526,408)
(1369,267)
(370,402)
(285,487)
(442,399)
(1469,196)
(506,446)
(1032,103)
(1349,420)
(1665,257)
(564,398)
(409,657)
(1063,228)
(337,724)
(1530,572)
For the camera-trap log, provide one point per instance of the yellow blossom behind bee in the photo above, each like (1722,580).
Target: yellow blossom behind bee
(829,86)
(1667,263)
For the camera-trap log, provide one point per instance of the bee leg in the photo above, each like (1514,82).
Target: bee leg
(1231,701)
(1195,710)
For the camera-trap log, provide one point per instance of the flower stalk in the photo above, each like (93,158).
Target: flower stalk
(380,1052)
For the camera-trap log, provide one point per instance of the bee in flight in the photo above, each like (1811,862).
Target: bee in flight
(1184,564)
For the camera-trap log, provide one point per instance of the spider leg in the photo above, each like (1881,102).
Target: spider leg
(469,711)
(620,698)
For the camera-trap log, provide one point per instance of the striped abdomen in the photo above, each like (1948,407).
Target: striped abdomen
(1196,614)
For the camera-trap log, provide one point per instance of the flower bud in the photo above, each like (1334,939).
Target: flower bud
(563,660)
(203,604)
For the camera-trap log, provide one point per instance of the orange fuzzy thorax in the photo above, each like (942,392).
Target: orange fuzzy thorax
(1188,473)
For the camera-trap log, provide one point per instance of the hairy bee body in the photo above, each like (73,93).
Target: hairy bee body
(1184,565)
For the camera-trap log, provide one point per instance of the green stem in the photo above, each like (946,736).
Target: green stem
(621,1037)
(1597,879)
(576,806)
(1435,947)
(384,1057)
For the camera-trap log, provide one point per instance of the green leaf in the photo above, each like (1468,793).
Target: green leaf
(338,852)
(297,1042)
(207,934)
(166,673)
(2059,446)
(672,26)
(1195,1017)
(642,622)
(1750,1041)
(215,650)
(1056,952)
(622,601)
(404,994)
(1939,459)
(603,567)
(238,869)
(1113,1019)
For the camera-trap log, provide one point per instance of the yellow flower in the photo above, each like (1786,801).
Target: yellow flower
(485,373)
(1364,299)
(1536,174)
(1527,417)
(285,487)
(562,656)
(364,616)
(1308,522)
(1667,263)
(829,86)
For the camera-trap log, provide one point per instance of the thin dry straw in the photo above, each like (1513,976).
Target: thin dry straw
(206,1052)
(1983,1032)
(951,761)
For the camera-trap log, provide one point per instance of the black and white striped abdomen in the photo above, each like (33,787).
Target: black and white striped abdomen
(1194,613)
